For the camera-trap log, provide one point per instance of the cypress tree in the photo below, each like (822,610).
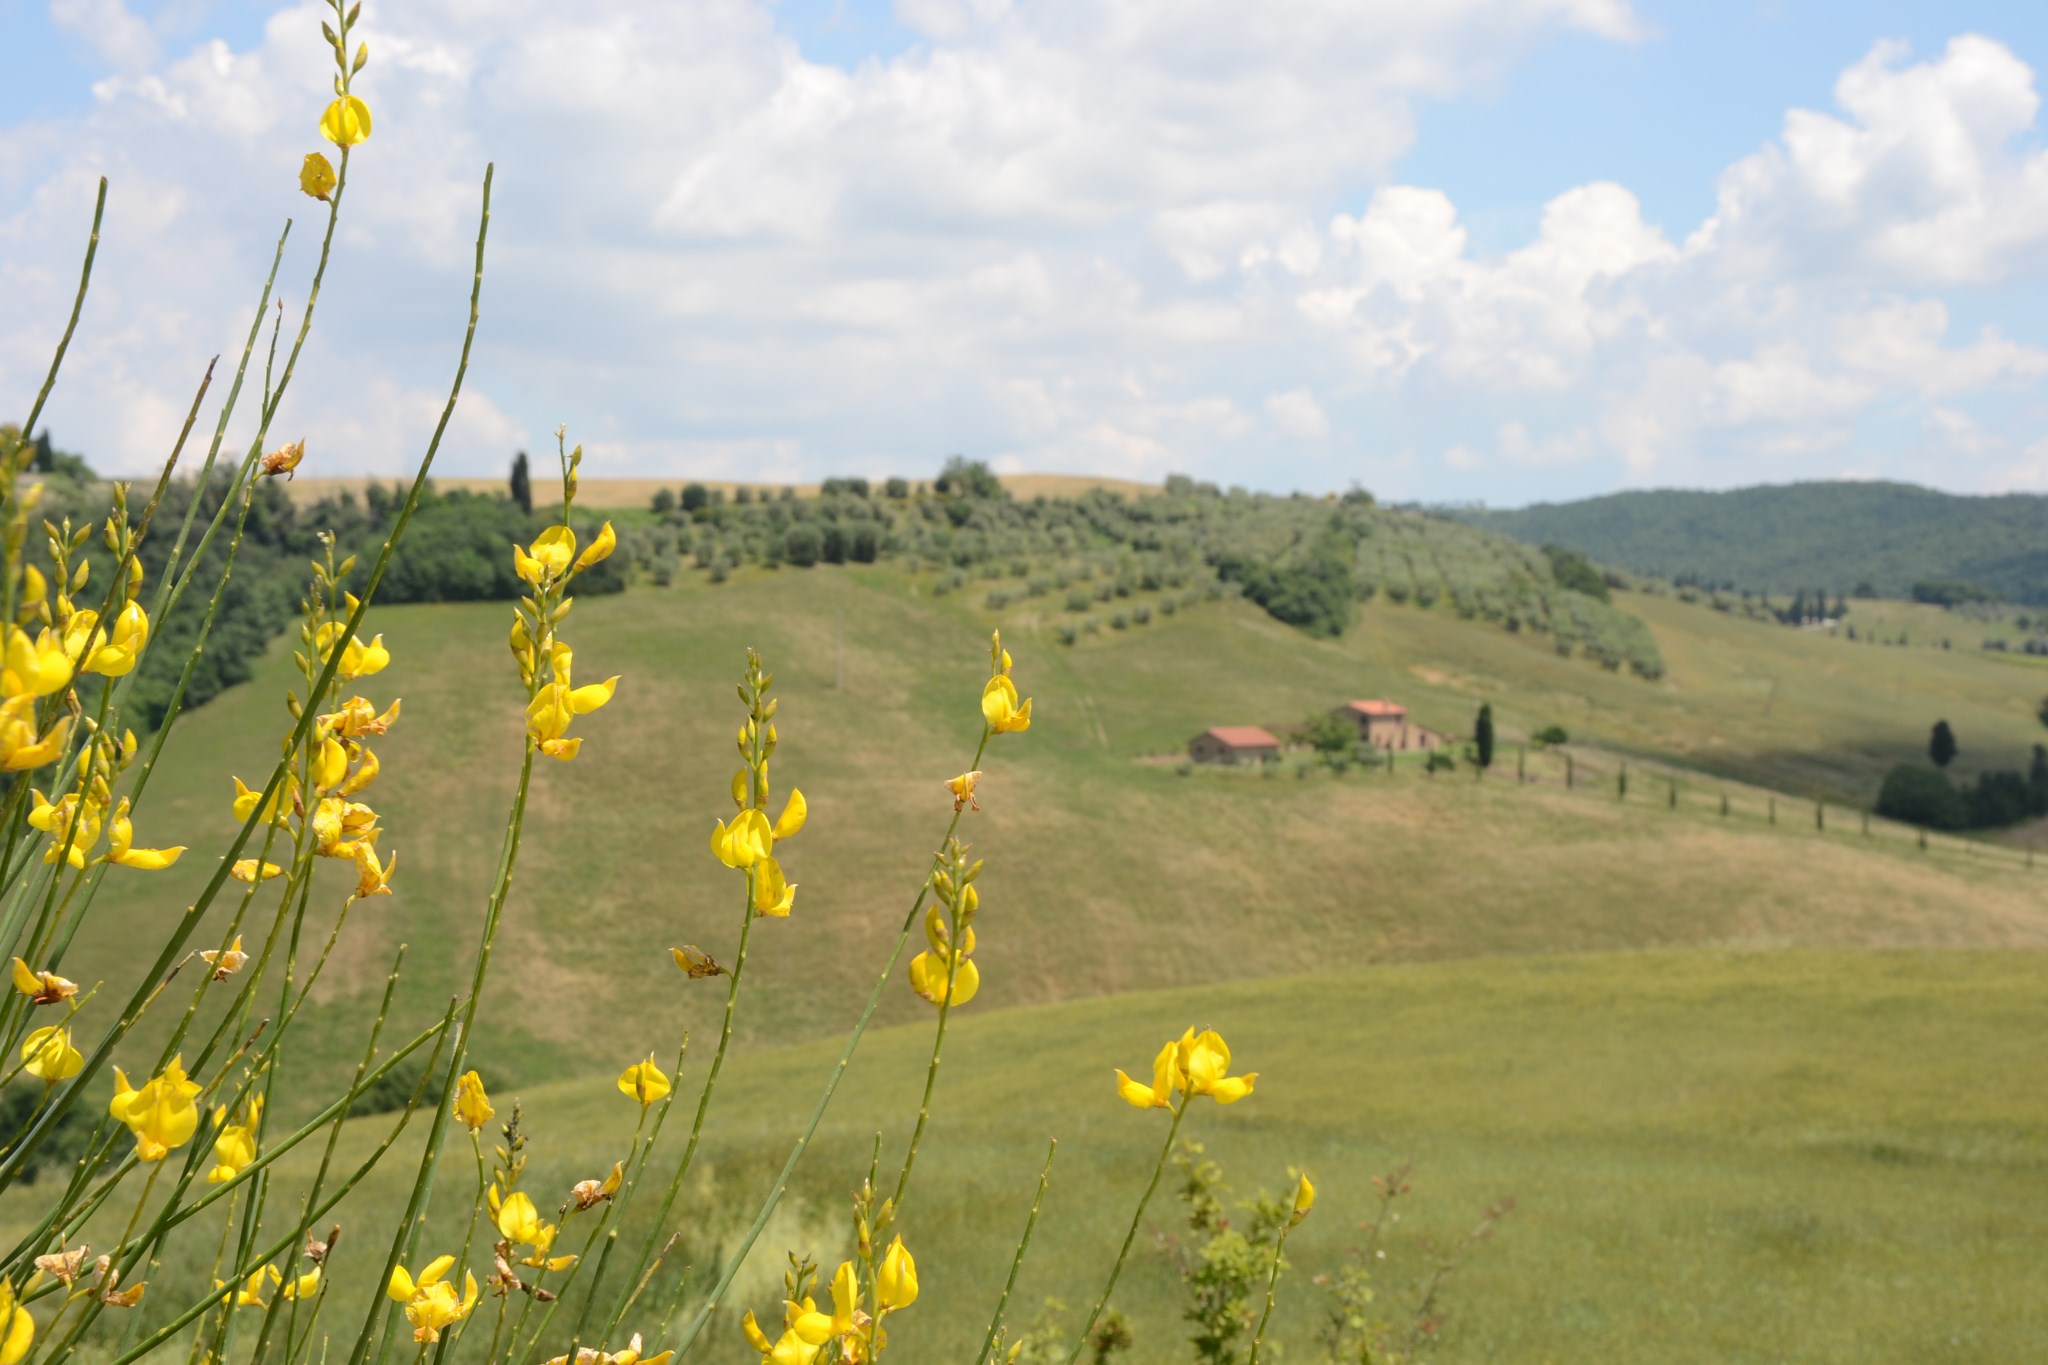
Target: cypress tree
(1482,735)
(1941,744)
(522,483)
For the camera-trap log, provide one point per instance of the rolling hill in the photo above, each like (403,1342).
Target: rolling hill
(1781,537)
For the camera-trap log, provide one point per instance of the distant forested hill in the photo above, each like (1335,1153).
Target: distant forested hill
(1813,535)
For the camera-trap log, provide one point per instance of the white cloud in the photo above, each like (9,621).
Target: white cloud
(120,37)
(1060,234)
(1298,414)
(1919,183)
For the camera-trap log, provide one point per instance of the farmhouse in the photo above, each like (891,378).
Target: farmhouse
(1233,744)
(1384,725)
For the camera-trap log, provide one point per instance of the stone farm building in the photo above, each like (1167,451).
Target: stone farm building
(1384,725)
(1233,744)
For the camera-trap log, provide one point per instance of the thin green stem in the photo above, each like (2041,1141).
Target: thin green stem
(803,1142)
(92,249)
(1272,1282)
(995,1322)
(1137,1220)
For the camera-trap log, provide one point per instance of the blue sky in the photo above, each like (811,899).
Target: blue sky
(1489,253)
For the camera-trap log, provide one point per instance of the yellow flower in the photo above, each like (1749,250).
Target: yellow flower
(286,457)
(558,703)
(745,842)
(340,827)
(358,660)
(928,971)
(790,1348)
(329,765)
(346,122)
(316,177)
(554,550)
(1001,709)
(229,960)
(1304,1200)
(794,812)
(42,988)
(773,895)
(845,1320)
(57,819)
(235,1148)
(600,549)
(124,644)
(1165,1080)
(161,1114)
(643,1081)
(19,1331)
(250,870)
(250,1295)
(591,1355)
(695,962)
(304,1286)
(35,667)
(1203,1060)
(49,1056)
(588,1194)
(274,811)
(373,878)
(543,1239)
(518,1221)
(358,717)
(962,788)
(472,1105)
(121,833)
(20,748)
(430,1302)
(896,1278)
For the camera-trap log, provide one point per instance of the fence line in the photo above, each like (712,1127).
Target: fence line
(1691,794)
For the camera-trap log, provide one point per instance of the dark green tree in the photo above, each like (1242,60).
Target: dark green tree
(695,497)
(1482,735)
(1941,744)
(522,483)
(2037,779)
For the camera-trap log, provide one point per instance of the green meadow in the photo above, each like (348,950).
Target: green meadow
(1761,1092)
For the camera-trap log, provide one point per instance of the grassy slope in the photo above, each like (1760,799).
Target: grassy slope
(1105,874)
(1823,1156)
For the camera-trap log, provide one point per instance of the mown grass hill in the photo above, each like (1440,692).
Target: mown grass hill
(1831,536)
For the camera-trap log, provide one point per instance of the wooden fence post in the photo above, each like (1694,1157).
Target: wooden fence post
(1820,819)
(1567,772)
(1621,784)
(1673,803)
(1724,805)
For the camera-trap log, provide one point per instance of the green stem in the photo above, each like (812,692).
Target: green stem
(92,249)
(1137,1219)
(803,1142)
(1272,1281)
(995,1322)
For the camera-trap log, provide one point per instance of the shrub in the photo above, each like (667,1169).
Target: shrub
(1552,734)
(1141,615)
(1119,622)
(898,489)
(832,543)
(801,546)
(1920,795)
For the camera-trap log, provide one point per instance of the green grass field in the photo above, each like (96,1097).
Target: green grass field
(1763,1093)
(1815,1156)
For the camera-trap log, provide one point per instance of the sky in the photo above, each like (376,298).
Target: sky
(1496,251)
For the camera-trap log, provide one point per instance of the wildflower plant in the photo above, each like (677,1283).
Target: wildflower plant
(183,1140)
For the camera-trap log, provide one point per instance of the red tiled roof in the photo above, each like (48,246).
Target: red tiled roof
(1243,736)
(1377,708)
